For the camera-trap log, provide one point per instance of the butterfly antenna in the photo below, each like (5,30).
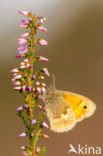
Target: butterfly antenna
(54,78)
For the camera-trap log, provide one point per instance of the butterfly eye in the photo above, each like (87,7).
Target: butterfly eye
(85,107)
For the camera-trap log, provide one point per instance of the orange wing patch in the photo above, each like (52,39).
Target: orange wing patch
(77,105)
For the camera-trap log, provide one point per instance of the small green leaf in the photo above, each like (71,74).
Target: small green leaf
(42,151)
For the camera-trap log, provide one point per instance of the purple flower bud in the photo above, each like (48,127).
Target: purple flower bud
(22,41)
(26,106)
(46,71)
(25,13)
(38,89)
(33,122)
(23,88)
(17,83)
(43,90)
(25,35)
(34,76)
(17,77)
(43,42)
(19,109)
(17,88)
(29,88)
(22,135)
(45,125)
(22,48)
(43,59)
(41,98)
(25,22)
(37,83)
(41,108)
(22,26)
(27,65)
(15,70)
(42,28)
(18,56)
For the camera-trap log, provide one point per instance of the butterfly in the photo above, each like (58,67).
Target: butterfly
(64,109)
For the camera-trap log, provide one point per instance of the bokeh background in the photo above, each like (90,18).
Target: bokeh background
(75,50)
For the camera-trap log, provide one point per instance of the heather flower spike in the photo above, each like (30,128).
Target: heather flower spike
(30,83)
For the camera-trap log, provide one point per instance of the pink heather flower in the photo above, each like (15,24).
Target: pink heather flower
(23,88)
(42,19)
(25,22)
(17,77)
(43,42)
(22,41)
(41,98)
(26,60)
(41,58)
(17,88)
(38,89)
(38,149)
(24,153)
(17,83)
(19,109)
(42,28)
(42,77)
(22,26)
(22,147)
(26,106)
(33,122)
(45,125)
(46,71)
(34,76)
(22,48)
(15,74)
(25,13)
(22,135)
(43,90)
(22,67)
(23,52)
(43,84)
(27,65)
(29,88)
(25,35)
(22,64)
(37,83)
(12,80)
(45,136)
(15,70)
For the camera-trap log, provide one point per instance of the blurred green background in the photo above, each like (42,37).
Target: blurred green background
(75,50)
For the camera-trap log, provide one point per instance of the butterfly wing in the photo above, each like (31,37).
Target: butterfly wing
(81,106)
(59,113)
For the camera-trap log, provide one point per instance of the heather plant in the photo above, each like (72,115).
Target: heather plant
(31,84)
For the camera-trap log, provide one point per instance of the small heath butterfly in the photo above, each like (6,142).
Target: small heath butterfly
(64,109)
